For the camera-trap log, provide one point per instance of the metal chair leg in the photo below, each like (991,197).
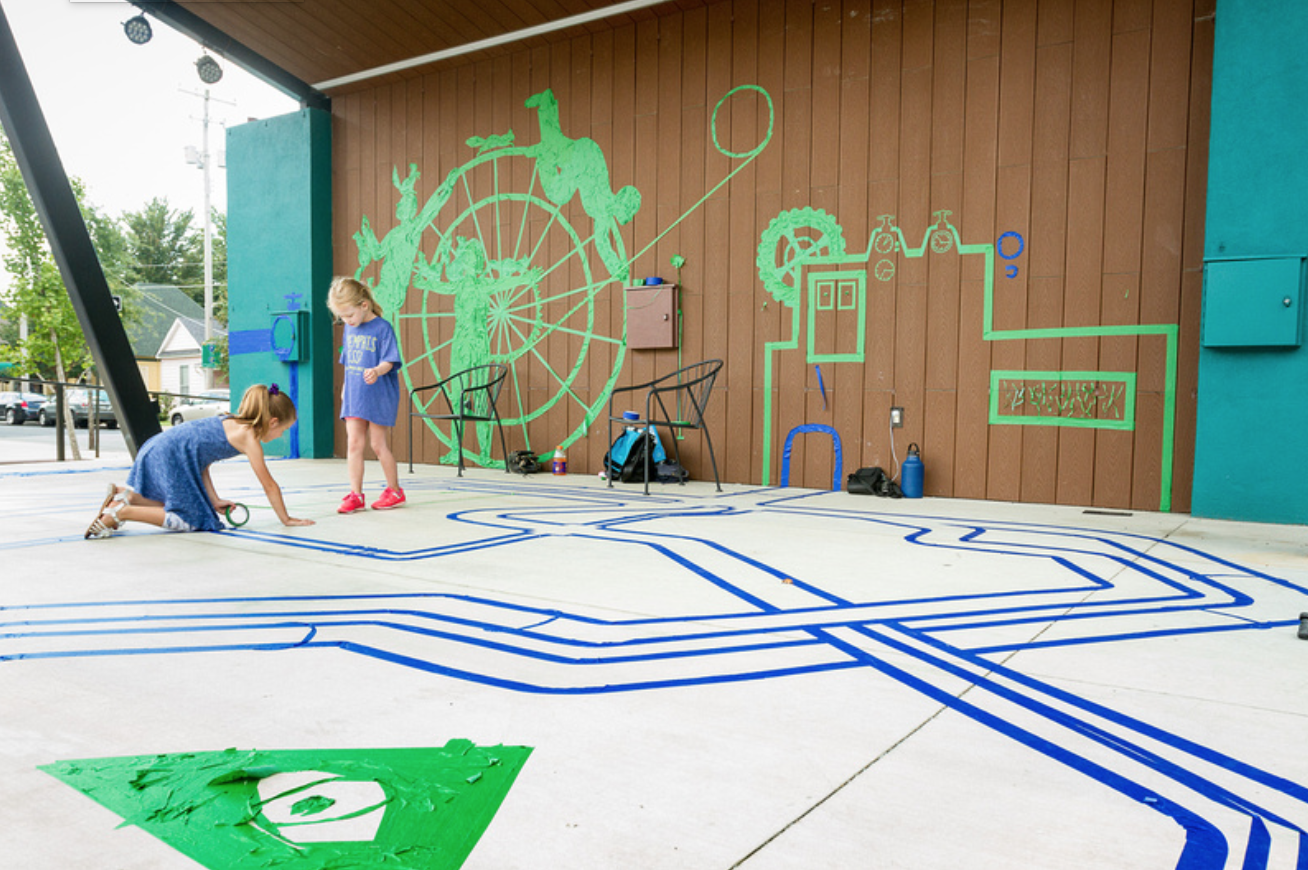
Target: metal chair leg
(504,446)
(712,458)
(458,425)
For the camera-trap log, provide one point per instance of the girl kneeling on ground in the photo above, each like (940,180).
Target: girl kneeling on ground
(169,484)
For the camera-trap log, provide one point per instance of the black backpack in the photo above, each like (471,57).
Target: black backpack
(524,462)
(873,481)
(633,467)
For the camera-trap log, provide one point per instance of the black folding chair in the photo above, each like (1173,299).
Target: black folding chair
(470,397)
(687,391)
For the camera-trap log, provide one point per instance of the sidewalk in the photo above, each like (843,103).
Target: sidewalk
(764,679)
(18,451)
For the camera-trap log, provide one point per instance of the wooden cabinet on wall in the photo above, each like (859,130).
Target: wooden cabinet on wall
(651,316)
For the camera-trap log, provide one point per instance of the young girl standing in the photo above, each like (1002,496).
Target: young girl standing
(370,398)
(169,484)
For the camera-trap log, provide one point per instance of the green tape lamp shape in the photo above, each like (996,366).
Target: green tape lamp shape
(803,249)
(413,809)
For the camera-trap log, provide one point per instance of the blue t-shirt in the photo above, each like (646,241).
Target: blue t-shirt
(365,346)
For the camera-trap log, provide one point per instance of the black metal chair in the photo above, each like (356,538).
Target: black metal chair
(470,397)
(687,390)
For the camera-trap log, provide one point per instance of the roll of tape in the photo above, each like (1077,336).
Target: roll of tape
(243,511)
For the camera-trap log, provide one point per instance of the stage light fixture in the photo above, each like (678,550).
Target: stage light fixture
(208,69)
(138,29)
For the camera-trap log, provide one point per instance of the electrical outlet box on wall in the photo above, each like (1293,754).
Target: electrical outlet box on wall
(290,335)
(1253,302)
(651,316)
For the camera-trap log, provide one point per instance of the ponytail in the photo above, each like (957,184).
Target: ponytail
(261,405)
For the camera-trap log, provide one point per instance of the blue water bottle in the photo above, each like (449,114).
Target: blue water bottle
(912,473)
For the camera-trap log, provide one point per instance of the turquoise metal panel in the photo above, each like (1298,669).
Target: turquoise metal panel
(279,267)
(1253,303)
(1250,460)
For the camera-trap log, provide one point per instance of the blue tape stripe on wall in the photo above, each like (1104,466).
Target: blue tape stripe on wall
(249,341)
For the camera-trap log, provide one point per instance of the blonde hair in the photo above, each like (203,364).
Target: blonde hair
(347,291)
(261,405)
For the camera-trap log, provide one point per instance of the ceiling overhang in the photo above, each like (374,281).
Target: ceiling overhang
(313,50)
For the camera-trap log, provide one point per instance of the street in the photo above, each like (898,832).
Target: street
(32,442)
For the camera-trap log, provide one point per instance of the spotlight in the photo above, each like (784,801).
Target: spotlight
(208,69)
(138,30)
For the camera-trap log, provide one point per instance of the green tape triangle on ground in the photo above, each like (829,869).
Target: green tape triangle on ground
(305,809)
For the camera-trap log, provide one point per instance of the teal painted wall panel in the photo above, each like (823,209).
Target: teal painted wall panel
(1251,453)
(1251,462)
(279,261)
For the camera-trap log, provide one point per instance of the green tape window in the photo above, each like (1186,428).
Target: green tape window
(836,331)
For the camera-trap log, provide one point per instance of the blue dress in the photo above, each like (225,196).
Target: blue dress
(168,469)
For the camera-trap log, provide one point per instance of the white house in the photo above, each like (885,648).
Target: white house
(167,339)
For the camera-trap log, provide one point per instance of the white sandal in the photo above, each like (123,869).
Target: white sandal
(109,499)
(99,528)
(114,494)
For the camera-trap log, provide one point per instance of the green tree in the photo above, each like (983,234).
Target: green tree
(55,347)
(219,266)
(165,248)
(54,344)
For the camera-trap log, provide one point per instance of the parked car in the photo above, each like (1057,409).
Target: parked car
(79,401)
(210,403)
(18,408)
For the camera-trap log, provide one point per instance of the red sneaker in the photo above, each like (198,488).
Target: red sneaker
(351,503)
(390,498)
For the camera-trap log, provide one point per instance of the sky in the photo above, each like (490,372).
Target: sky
(121,114)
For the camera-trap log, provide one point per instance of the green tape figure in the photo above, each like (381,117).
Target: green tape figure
(515,274)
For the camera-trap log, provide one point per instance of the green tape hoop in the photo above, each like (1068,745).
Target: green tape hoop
(244,512)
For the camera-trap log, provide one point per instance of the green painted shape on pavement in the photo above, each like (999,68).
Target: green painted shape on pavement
(308,809)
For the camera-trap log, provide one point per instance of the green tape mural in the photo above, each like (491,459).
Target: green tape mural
(516,274)
(805,247)
(411,809)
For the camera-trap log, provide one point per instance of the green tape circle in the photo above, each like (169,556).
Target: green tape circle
(245,514)
(713,123)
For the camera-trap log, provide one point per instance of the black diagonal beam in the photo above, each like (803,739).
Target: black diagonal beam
(70,243)
(184,21)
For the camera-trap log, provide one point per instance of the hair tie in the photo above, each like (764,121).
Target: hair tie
(273,390)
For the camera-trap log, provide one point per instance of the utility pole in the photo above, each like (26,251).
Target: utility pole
(202,160)
(22,339)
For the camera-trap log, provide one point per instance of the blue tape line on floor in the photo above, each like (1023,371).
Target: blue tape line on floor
(733,637)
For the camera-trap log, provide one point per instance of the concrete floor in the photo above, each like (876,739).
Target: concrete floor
(766,679)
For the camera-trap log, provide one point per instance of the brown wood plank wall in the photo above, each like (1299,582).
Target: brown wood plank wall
(1079,124)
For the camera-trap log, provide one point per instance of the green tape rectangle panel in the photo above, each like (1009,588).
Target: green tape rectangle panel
(836,322)
(1087,400)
